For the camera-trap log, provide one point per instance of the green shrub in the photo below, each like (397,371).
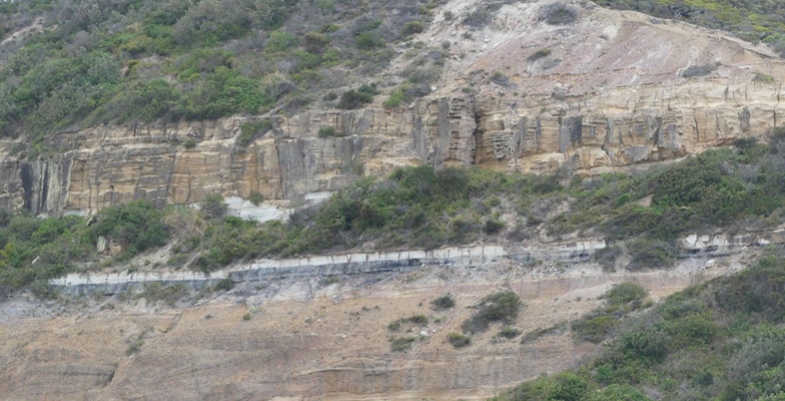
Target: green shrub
(607,256)
(651,253)
(190,143)
(508,333)
(421,320)
(625,293)
(256,198)
(177,261)
(616,392)
(397,97)
(541,332)
(411,28)
(169,295)
(541,53)
(477,19)
(691,330)
(594,329)
(394,326)
(214,206)
(569,387)
(443,302)
(328,132)
(352,99)
(369,41)
(401,344)
(566,386)
(648,346)
(42,290)
(280,41)
(760,77)
(315,42)
(698,70)
(136,226)
(499,307)
(558,14)
(249,132)
(458,340)
(492,227)
(224,285)
(134,348)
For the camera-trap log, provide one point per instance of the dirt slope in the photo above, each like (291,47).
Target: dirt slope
(333,345)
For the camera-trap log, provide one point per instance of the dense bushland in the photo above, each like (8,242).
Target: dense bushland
(123,61)
(33,250)
(722,340)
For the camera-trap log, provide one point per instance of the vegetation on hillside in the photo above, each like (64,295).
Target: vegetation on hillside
(642,214)
(722,340)
(752,20)
(90,62)
(67,65)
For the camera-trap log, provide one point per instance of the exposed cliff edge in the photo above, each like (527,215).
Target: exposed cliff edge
(615,89)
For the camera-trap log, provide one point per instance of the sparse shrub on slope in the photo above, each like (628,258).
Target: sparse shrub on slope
(458,340)
(499,307)
(558,14)
(443,302)
(352,99)
(698,70)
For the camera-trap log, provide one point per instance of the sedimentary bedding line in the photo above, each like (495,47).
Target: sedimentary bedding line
(372,263)
(318,266)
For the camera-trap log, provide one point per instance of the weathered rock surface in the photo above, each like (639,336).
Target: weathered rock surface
(610,94)
(305,339)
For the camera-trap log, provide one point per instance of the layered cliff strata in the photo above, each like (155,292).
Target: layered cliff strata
(306,339)
(610,90)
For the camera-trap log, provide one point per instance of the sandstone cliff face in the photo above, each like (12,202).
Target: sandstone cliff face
(610,94)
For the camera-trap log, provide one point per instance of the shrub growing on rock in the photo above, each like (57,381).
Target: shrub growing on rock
(698,70)
(499,307)
(352,99)
(443,302)
(402,343)
(625,293)
(558,14)
(459,340)
(542,53)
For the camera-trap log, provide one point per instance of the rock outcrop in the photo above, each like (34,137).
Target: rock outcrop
(610,90)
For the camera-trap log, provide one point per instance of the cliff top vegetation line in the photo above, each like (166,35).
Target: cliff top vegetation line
(642,214)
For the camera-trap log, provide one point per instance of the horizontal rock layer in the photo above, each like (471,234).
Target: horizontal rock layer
(107,166)
(610,93)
